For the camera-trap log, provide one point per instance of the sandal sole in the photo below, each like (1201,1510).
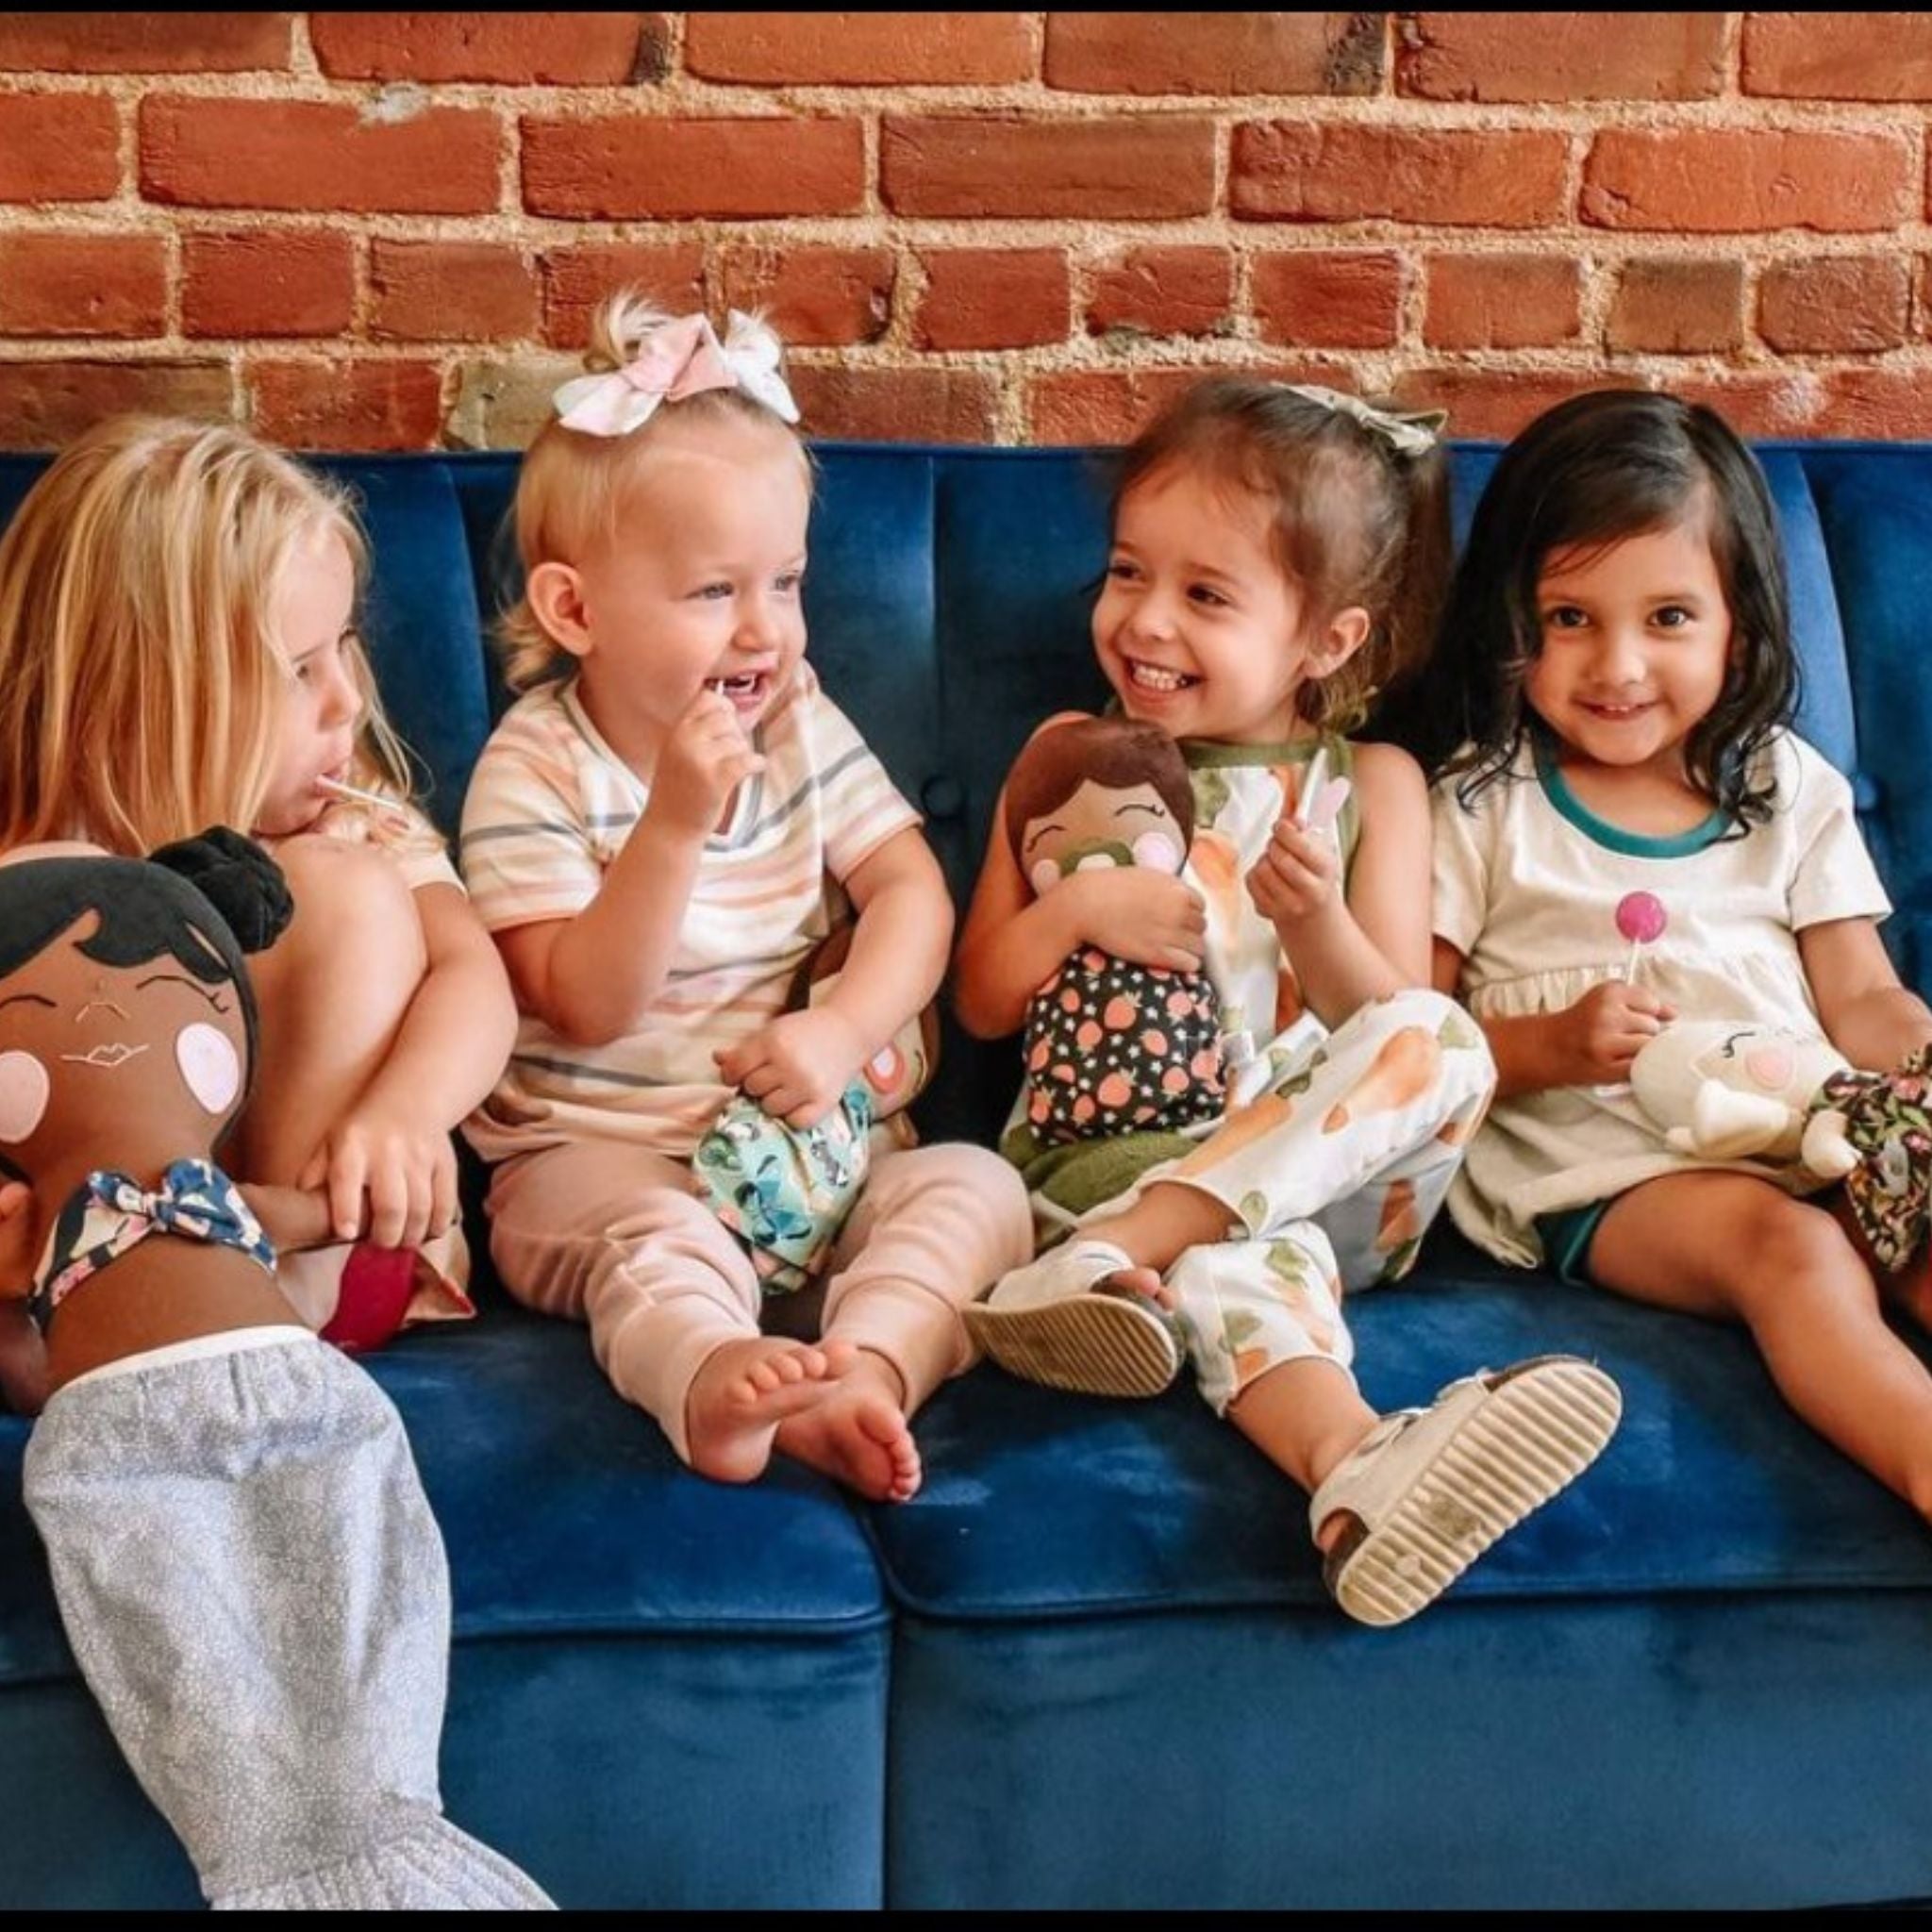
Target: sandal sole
(1545,1423)
(1092,1344)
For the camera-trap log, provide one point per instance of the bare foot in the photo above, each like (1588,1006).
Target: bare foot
(859,1434)
(742,1395)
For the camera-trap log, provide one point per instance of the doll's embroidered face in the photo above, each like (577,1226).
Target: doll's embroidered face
(121,1020)
(80,1041)
(1098,792)
(1101,825)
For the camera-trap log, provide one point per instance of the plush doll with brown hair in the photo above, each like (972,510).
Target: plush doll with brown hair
(1112,1047)
(245,1563)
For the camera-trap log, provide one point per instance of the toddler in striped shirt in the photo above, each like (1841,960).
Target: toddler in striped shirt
(670,820)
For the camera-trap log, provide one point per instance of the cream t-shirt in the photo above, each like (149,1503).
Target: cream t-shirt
(1527,887)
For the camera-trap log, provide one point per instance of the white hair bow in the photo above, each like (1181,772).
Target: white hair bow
(675,360)
(1410,432)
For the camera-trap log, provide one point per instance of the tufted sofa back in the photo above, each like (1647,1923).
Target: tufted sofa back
(948,595)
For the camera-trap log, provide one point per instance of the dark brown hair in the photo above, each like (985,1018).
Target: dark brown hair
(1356,522)
(1114,753)
(1587,475)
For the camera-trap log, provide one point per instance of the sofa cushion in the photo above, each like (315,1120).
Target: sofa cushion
(1044,1504)
(564,1508)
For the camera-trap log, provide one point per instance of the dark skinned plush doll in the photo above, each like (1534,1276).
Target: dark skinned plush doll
(1112,1047)
(245,1563)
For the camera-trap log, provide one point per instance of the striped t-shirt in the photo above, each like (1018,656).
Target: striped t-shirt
(548,810)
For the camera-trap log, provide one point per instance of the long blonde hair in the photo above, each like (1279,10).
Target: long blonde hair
(139,681)
(571,486)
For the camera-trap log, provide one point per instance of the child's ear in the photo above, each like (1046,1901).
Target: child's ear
(556,594)
(1339,639)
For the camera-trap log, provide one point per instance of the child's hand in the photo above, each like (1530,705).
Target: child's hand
(409,1172)
(292,1218)
(1150,917)
(1607,1029)
(700,765)
(1298,877)
(798,1065)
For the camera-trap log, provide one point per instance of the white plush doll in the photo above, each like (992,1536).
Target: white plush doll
(1726,1090)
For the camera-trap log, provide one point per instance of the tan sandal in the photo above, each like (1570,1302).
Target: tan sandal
(1428,1490)
(1047,1323)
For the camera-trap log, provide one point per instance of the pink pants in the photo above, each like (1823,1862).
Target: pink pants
(613,1234)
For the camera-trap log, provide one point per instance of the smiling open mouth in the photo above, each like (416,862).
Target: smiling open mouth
(111,1054)
(1145,677)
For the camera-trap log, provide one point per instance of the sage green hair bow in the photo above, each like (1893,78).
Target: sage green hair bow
(1410,432)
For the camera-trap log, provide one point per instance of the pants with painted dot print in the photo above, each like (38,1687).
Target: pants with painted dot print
(1331,1174)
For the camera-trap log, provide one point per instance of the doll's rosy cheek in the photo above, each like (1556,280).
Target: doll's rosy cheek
(1045,875)
(1770,1068)
(23,1095)
(211,1065)
(1156,851)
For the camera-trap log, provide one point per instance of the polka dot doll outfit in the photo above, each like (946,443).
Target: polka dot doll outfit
(1113,1046)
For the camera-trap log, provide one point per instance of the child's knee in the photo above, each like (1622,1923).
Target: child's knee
(1787,1250)
(1465,1047)
(974,1203)
(350,901)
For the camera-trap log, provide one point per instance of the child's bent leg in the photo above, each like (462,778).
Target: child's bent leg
(1250,1308)
(1270,1348)
(1399,1506)
(1727,1245)
(1367,1133)
(933,1228)
(332,992)
(612,1234)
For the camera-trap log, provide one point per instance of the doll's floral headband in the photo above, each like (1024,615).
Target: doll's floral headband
(1411,432)
(677,359)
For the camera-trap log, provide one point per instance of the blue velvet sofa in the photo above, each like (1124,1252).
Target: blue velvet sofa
(1092,1664)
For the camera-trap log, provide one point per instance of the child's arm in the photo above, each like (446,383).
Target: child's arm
(1014,942)
(799,1064)
(1868,1015)
(1346,951)
(591,977)
(450,1047)
(1589,1045)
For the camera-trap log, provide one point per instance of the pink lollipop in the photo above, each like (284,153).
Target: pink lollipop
(1642,919)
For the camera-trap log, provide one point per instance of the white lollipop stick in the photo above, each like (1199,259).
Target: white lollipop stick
(339,790)
(1311,787)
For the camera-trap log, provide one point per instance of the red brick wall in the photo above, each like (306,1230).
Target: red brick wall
(374,230)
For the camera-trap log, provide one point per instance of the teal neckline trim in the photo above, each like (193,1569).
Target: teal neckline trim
(1614,837)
